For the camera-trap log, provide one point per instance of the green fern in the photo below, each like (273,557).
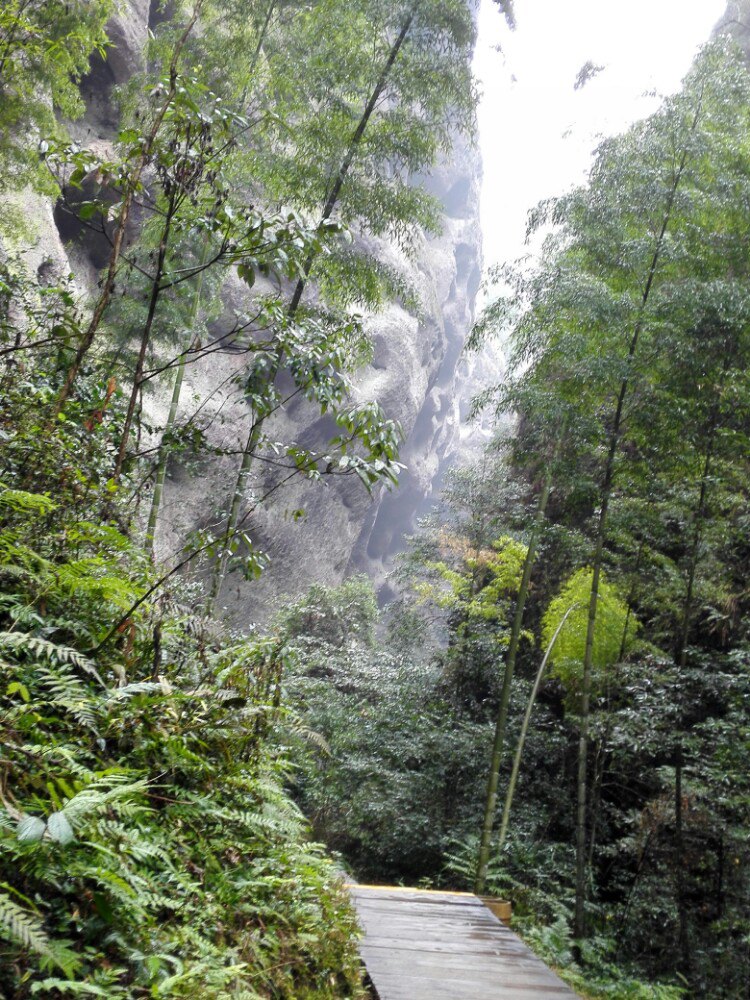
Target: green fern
(21,643)
(22,502)
(21,925)
(63,690)
(161,809)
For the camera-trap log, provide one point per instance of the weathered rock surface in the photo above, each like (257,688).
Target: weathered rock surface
(416,375)
(736,22)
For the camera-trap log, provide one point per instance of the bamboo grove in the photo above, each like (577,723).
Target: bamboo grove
(631,339)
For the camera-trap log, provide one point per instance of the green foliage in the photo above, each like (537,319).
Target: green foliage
(147,844)
(340,51)
(45,46)
(613,635)
(394,751)
(148,847)
(476,589)
(336,617)
(598,976)
(630,334)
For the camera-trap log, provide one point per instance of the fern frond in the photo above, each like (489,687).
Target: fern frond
(115,884)
(89,577)
(22,502)
(61,752)
(50,986)
(7,822)
(22,926)
(24,642)
(68,692)
(304,732)
(102,793)
(132,690)
(137,846)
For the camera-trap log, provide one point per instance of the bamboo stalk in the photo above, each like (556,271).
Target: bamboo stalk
(525,727)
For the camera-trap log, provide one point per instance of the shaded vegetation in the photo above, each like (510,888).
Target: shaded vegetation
(149,843)
(625,483)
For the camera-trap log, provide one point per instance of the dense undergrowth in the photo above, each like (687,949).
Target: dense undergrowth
(147,845)
(398,784)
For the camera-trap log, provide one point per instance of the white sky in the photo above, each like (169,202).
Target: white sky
(536,132)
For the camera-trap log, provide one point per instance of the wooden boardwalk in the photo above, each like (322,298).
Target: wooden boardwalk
(422,945)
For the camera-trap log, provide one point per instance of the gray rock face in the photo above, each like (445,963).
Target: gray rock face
(128,34)
(416,375)
(450,269)
(736,22)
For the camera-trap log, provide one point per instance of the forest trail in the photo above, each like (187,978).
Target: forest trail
(424,945)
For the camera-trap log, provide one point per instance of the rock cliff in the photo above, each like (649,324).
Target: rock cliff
(736,22)
(416,375)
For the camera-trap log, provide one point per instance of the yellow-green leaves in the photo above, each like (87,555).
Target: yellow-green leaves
(614,632)
(479,581)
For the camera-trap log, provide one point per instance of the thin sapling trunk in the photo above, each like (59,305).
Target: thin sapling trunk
(525,728)
(338,182)
(131,187)
(156,289)
(579,924)
(683,941)
(161,469)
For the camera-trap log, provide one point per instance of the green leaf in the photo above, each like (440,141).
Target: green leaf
(88,210)
(247,274)
(30,829)
(16,687)
(60,829)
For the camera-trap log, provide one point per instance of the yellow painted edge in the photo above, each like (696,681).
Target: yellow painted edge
(405,888)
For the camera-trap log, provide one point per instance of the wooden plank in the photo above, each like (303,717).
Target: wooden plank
(405,890)
(433,945)
(396,987)
(464,974)
(417,959)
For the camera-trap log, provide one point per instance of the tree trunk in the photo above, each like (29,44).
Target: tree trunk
(525,728)
(234,511)
(108,285)
(145,336)
(161,469)
(262,36)
(335,191)
(682,916)
(683,938)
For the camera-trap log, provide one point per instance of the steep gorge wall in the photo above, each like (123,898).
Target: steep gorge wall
(416,375)
(736,22)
